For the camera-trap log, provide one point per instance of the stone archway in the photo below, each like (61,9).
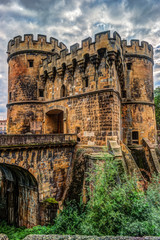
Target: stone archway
(55,120)
(18,195)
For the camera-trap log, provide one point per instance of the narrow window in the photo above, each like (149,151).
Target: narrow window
(30,62)
(63,91)
(10,96)
(135,137)
(124,94)
(77,130)
(129,66)
(54,73)
(86,82)
(41,92)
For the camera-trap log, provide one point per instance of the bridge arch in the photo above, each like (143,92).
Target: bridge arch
(18,196)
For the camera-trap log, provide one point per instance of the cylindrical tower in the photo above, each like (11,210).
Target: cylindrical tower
(138,108)
(25,108)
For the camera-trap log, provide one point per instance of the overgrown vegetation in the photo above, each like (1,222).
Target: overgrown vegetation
(157,105)
(117,206)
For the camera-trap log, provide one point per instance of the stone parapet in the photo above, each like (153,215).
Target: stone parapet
(135,48)
(17,45)
(20,139)
(103,40)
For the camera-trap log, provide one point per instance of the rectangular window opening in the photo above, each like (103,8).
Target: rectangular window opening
(124,94)
(10,96)
(86,82)
(135,137)
(41,92)
(30,63)
(129,66)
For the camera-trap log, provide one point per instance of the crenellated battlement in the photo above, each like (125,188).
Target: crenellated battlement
(135,47)
(17,44)
(103,40)
(97,89)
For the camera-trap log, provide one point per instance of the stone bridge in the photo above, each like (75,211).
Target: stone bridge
(33,168)
(39,172)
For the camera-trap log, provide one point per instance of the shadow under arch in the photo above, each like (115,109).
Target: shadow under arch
(18,196)
(56,120)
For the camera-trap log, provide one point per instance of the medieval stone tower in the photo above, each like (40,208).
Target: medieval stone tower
(59,102)
(103,88)
(24,59)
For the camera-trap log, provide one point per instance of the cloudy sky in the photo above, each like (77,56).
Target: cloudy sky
(71,21)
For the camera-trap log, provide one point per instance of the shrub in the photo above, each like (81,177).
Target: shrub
(116,206)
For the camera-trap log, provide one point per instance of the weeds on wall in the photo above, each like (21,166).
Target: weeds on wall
(116,206)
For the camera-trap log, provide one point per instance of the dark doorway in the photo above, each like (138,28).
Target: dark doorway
(135,137)
(17,187)
(54,121)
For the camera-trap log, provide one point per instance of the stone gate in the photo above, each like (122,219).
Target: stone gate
(33,168)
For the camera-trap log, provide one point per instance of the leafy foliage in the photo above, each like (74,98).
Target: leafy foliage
(119,207)
(157,105)
(116,206)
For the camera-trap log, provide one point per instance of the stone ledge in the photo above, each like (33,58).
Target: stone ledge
(31,51)
(64,98)
(39,140)
(79,237)
(138,56)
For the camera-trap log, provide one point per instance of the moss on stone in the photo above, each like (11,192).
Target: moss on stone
(50,201)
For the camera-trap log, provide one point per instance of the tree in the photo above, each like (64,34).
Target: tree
(157,105)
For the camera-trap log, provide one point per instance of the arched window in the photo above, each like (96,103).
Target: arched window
(85,82)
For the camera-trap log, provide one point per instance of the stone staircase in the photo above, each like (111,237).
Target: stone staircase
(151,156)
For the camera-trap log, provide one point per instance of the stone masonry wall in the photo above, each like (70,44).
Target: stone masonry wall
(36,139)
(95,115)
(50,165)
(85,82)
(81,83)
(139,117)
(24,58)
(25,118)
(138,111)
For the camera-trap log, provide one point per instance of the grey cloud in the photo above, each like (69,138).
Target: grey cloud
(2,109)
(71,21)
(157,66)
(5,1)
(157,51)
(156,79)
(142,11)
(157,84)
(38,4)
